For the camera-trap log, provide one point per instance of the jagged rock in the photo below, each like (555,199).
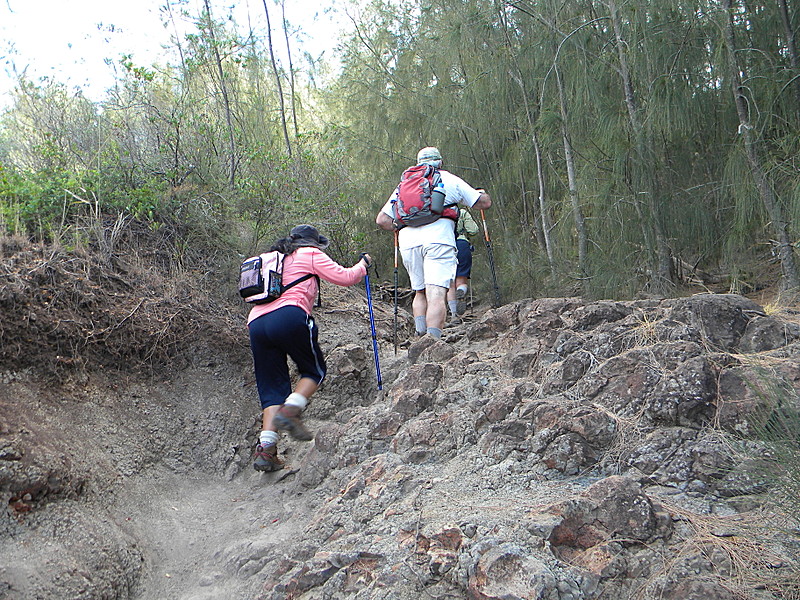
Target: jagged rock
(385,426)
(718,319)
(327,438)
(429,350)
(347,361)
(523,361)
(697,461)
(568,454)
(752,397)
(558,413)
(508,572)
(592,315)
(434,435)
(614,508)
(751,476)
(662,456)
(442,550)
(499,406)
(543,309)
(352,362)
(410,402)
(697,587)
(742,405)
(496,322)
(768,333)
(247,557)
(667,383)
(411,393)
(568,372)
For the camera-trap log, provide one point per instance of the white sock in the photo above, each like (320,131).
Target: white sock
(295,399)
(268,438)
(463,288)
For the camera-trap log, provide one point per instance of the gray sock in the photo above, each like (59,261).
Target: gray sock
(453,304)
(435,332)
(421,325)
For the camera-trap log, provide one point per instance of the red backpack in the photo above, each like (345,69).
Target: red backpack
(420,198)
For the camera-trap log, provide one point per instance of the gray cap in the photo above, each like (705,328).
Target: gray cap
(430,156)
(307,235)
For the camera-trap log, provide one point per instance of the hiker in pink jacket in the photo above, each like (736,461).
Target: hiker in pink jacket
(285,328)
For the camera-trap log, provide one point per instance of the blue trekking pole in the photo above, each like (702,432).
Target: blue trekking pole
(372,327)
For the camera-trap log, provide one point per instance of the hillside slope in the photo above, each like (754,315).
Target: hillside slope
(551,448)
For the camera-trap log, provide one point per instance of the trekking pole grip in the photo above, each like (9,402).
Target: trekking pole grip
(370,262)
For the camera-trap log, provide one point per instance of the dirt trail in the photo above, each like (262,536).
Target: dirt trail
(204,536)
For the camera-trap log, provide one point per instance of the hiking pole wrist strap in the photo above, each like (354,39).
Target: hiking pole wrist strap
(370,263)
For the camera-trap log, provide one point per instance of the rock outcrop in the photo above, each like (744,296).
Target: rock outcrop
(559,449)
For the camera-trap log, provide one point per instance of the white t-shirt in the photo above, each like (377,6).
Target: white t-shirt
(441,231)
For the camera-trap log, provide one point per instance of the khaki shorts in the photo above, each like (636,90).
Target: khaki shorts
(431,264)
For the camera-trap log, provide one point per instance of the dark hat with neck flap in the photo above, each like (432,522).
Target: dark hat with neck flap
(307,235)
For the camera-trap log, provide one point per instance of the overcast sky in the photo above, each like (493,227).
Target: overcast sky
(71,40)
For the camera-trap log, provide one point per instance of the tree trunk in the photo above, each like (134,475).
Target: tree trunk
(791,47)
(544,212)
(652,227)
(291,70)
(225,99)
(791,280)
(277,80)
(572,182)
(547,225)
(531,214)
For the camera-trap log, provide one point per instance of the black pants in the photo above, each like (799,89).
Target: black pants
(282,333)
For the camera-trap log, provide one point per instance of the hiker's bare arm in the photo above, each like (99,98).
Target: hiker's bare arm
(484,201)
(384,221)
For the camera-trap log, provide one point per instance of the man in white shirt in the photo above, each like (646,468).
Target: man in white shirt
(429,251)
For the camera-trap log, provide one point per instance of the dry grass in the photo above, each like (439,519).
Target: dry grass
(743,550)
(643,334)
(629,434)
(65,308)
(784,305)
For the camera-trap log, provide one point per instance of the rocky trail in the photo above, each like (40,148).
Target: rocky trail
(551,448)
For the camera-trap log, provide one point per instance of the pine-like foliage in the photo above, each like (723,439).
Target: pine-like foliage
(606,133)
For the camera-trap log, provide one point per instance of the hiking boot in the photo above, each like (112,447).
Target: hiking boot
(288,419)
(267,458)
(461,303)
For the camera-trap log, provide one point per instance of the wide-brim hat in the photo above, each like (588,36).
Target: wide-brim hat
(307,235)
